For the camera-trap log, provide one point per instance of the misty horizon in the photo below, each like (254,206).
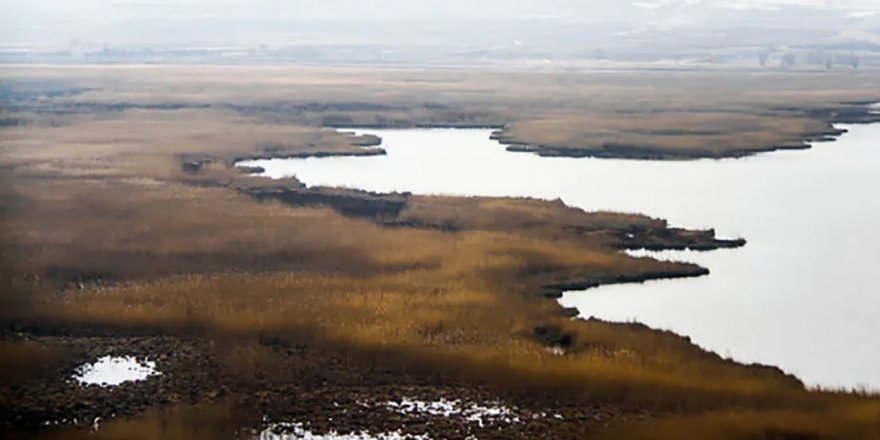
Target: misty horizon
(67,19)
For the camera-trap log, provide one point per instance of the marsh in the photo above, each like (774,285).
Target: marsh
(128,231)
(807,221)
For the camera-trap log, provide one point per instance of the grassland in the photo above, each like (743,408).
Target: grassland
(631,114)
(265,298)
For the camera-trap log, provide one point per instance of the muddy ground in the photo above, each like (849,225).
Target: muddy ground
(325,390)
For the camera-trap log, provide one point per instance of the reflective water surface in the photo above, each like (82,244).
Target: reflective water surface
(110,371)
(802,294)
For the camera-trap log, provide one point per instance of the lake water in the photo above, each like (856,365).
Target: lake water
(802,294)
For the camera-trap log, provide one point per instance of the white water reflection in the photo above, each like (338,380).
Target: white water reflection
(482,415)
(110,371)
(298,431)
(801,295)
(479,414)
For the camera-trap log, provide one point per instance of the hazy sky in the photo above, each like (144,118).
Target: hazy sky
(388,8)
(58,22)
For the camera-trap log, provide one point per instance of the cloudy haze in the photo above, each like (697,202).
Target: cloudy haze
(437,28)
(384,9)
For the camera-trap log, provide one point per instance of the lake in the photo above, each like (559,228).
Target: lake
(801,295)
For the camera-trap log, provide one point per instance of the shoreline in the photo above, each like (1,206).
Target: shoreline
(861,112)
(556,290)
(318,305)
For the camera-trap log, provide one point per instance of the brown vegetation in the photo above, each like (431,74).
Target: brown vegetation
(641,114)
(674,135)
(846,423)
(266,290)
